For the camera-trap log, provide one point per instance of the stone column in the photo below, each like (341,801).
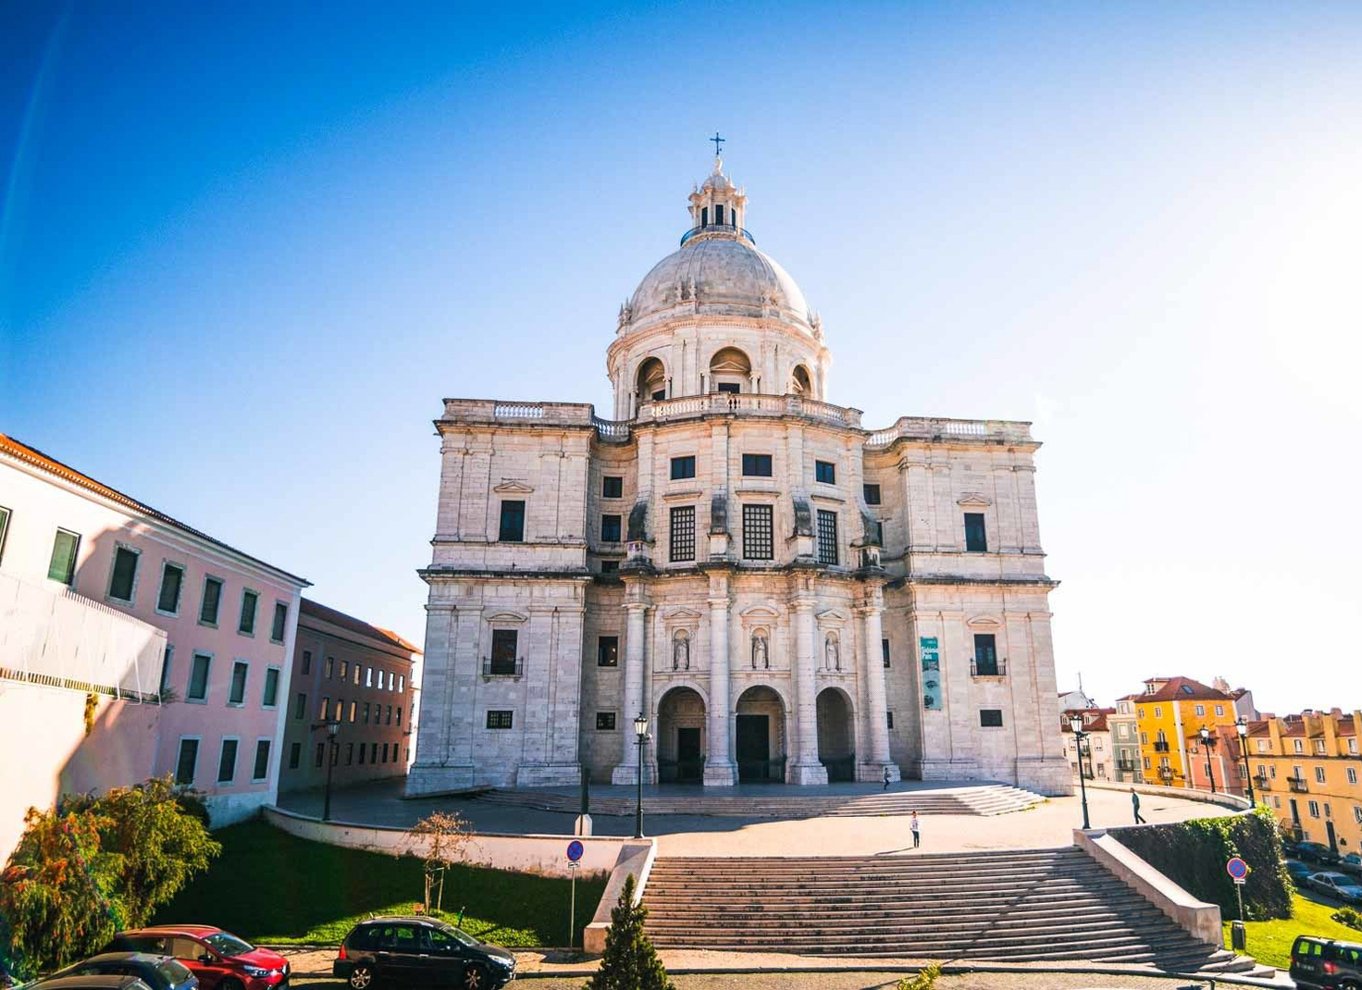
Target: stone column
(872,668)
(631,702)
(720,770)
(806,768)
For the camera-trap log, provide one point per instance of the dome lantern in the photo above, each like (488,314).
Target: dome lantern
(717,207)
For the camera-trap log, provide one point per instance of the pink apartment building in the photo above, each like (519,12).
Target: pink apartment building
(134,645)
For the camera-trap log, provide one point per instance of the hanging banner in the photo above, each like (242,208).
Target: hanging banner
(931,673)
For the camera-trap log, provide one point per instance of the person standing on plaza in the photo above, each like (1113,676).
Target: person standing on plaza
(886,778)
(916,829)
(1135,803)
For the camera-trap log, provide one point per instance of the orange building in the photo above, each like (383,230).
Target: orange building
(1169,715)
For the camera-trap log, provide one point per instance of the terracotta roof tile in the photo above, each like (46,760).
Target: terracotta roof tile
(337,618)
(1186,689)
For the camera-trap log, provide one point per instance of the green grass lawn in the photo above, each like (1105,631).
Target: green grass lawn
(1270,941)
(273,888)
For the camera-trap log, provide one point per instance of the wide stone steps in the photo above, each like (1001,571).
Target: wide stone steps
(985,799)
(1008,906)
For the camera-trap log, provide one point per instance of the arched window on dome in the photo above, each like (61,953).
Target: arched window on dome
(652,381)
(800,383)
(730,371)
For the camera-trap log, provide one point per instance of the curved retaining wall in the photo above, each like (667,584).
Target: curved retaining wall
(542,854)
(1233,801)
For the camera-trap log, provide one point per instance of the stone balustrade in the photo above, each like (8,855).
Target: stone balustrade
(939,430)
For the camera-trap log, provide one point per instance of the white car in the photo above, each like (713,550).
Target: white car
(1345,888)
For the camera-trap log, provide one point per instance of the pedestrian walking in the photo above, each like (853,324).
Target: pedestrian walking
(1135,803)
(886,778)
(917,830)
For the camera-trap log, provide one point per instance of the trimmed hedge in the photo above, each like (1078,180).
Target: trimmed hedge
(1193,855)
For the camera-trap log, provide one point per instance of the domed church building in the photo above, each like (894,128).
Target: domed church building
(783,594)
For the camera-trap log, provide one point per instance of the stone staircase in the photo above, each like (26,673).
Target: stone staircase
(1022,906)
(982,799)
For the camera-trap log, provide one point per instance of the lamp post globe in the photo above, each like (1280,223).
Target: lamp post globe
(332,727)
(641,734)
(1076,724)
(1208,741)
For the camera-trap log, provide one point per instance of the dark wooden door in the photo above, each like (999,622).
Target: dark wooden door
(689,765)
(754,747)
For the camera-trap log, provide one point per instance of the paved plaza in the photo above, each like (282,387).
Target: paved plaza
(1047,825)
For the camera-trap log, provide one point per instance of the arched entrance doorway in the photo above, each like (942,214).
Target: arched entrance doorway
(680,737)
(760,736)
(836,738)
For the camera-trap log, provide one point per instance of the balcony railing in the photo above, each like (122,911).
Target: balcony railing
(1262,782)
(1298,784)
(496,667)
(1125,765)
(1161,746)
(988,668)
(717,228)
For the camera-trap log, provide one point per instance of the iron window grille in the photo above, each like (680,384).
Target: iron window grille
(499,719)
(605,721)
(682,542)
(872,494)
(827,537)
(758,532)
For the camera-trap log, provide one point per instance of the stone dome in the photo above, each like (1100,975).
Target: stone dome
(720,274)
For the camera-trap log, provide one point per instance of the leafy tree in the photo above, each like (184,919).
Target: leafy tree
(157,841)
(97,864)
(58,892)
(630,961)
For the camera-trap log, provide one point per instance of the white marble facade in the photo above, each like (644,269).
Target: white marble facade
(785,594)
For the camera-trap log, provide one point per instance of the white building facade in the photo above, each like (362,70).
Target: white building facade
(785,595)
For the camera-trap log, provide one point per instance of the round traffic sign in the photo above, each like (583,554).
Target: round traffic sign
(1237,868)
(575,850)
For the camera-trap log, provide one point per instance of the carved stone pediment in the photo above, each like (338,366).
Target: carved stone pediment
(512,486)
(973,498)
(983,622)
(681,614)
(507,618)
(832,617)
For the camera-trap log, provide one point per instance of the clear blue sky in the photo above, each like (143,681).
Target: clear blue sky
(246,248)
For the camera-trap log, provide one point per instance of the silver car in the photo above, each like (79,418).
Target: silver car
(1336,885)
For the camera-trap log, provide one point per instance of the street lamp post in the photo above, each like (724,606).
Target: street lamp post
(331,727)
(1076,723)
(1241,727)
(641,734)
(1209,742)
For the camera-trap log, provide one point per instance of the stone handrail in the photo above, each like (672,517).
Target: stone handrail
(749,404)
(939,430)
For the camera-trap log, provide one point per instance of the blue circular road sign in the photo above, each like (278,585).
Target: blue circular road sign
(575,850)
(1237,868)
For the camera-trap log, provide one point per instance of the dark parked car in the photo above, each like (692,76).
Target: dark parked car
(1322,964)
(1351,863)
(1298,871)
(1316,852)
(103,981)
(219,959)
(157,972)
(420,950)
(1336,885)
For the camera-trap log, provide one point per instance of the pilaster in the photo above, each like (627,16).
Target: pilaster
(720,770)
(806,768)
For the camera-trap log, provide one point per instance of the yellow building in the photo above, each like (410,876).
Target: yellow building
(1169,714)
(1308,769)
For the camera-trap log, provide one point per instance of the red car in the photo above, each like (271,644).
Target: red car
(219,959)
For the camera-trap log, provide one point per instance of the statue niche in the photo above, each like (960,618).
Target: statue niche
(832,654)
(761,650)
(681,650)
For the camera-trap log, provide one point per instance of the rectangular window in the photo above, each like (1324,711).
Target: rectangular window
(369,677)
(733,388)
(872,494)
(1201,709)
(1314,809)
(349,754)
(212,598)
(354,709)
(262,760)
(166,660)
(250,600)
(612,487)
(319,757)
(498,720)
(345,670)
(884,652)
(295,754)
(827,537)
(605,721)
(330,670)
(825,472)
(1352,775)
(756,465)
(187,761)
(607,651)
(682,542)
(124,575)
(610,566)
(227,762)
(365,717)
(504,643)
(1319,775)
(889,716)
(280,622)
(991,718)
(610,529)
(172,581)
(512,529)
(385,752)
(976,537)
(198,678)
(62,566)
(270,697)
(324,712)
(307,661)
(683,467)
(300,706)
(389,719)
(399,715)
(985,655)
(237,694)
(4,529)
(373,752)
(758,532)
(1220,709)
(361,754)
